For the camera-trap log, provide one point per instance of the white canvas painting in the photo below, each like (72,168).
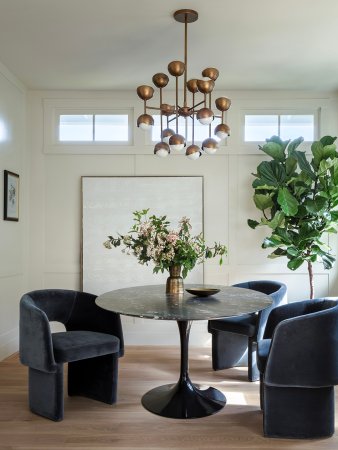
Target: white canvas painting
(108,206)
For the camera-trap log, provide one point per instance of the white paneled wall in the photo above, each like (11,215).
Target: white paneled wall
(55,198)
(13,235)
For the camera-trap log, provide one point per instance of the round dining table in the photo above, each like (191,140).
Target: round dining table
(183,399)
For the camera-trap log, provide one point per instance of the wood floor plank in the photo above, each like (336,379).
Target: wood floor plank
(90,425)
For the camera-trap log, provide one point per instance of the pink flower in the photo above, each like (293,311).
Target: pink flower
(172,238)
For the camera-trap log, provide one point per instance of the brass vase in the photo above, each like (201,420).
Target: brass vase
(175,281)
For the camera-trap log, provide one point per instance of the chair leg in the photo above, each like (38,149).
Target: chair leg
(46,393)
(301,413)
(253,372)
(227,349)
(261,391)
(95,378)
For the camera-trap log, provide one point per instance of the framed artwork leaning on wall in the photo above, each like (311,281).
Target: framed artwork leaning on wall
(11,196)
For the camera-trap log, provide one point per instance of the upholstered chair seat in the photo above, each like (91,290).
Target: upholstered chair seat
(91,345)
(298,363)
(75,345)
(233,336)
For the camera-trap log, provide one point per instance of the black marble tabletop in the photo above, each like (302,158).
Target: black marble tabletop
(151,302)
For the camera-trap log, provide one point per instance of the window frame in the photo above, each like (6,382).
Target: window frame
(315,112)
(92,112)
(54,107)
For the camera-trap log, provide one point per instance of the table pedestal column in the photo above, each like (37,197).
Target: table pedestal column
(183,400)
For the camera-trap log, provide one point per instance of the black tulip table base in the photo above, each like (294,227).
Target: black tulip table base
(183,400)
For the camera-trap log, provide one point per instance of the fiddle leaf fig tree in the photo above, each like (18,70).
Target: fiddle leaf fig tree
(298,201)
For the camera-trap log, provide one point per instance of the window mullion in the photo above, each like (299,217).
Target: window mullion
(278,125)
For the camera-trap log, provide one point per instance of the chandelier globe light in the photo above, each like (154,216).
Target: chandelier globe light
(202,111)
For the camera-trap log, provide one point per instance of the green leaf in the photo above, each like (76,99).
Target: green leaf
(292,251)
(287,201)
(327,260)
(252,223)
(277,220)
(334,171)
(306,235)
(317,150)
(330,151)
(334,215)
(260,185)
(304,164)
(302,212)
(294,263)
(277,253)
(324,166)
(294,144)
(304,178)
(327,140)
(316,205)
(279,141)
(263,201)
(271,172)
(271,242)
(284,235)
(274,150)
(290,165)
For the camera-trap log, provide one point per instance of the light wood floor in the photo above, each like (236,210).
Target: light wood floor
(91,425)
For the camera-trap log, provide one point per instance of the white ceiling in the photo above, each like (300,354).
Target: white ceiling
(120,44)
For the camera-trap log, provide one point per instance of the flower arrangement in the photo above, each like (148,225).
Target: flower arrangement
(151,240)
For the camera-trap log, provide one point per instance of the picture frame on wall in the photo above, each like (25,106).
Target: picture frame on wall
(11,196)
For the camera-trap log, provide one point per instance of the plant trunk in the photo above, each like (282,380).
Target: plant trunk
(310,270)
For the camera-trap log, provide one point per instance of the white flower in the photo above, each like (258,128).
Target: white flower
(107,244)
(127,240)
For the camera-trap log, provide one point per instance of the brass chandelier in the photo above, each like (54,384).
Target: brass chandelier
(201,111)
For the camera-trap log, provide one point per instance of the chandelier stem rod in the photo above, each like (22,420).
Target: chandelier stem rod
(197,104)
(176,106)
(210,108)
(193,120)
(186,130)
(185,58)
(154,107)
(161,114)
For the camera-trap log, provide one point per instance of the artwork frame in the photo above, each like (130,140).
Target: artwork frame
(11,196)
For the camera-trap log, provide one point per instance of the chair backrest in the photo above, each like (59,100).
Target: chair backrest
(57,304)
(276,290)
(304,347)
(76,310)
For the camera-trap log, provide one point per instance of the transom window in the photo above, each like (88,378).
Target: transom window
(258,127)
(94,128)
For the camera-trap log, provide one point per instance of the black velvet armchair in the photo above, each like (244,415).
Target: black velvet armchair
(91,346)
(298,362)
(233,336)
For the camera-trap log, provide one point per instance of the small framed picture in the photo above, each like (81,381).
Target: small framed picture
(11,196)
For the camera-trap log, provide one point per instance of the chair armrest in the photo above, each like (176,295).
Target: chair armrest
(281,313)
(35,340)
(278,298)
(304,351)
